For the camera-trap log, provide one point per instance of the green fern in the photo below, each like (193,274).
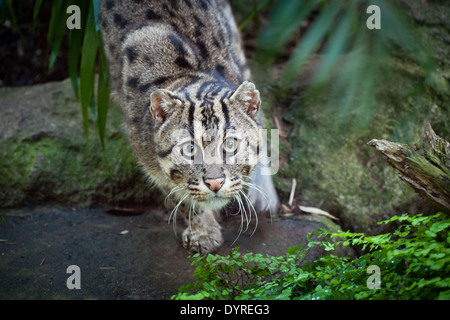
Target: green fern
(353,59)
(413,263)
(86,59)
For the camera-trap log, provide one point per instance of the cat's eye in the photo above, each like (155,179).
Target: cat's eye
(188,149)
(230,145)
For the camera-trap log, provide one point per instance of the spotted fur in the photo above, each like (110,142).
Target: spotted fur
(191,113)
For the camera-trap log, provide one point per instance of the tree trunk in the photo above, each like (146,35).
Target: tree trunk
(426,167)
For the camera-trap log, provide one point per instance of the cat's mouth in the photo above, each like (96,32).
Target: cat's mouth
(214,202)
(216,196)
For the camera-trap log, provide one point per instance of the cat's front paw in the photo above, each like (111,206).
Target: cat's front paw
(202,241)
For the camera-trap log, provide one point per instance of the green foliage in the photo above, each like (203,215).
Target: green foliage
(8,4)
(353,60)
(86,57)
(336,29)
(85,54)
(413,262)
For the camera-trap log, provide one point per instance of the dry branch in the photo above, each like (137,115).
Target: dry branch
(425,167)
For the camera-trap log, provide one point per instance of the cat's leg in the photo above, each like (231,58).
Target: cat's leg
(263,195)
(261,190)
(203,233)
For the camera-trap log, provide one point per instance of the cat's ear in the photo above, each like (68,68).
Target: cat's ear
(247,96)
(161,103)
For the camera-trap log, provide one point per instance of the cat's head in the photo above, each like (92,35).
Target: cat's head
(207,148)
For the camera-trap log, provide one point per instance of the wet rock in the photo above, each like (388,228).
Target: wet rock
(46,159)
(45,155)
(145,262)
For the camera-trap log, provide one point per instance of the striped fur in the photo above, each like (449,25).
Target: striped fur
(180,76)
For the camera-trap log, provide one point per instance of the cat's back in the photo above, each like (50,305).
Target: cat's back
(166,38)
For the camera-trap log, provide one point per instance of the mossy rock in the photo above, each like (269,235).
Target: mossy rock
(47,157)
(326,149)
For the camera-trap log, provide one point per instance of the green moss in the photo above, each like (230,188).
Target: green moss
(65,170)
(330,159)
(52,160)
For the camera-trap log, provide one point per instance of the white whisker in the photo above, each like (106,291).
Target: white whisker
(243,213)
(191,209)
(257,188)
(174,212)
(175,189)
(249,204)
(241,210)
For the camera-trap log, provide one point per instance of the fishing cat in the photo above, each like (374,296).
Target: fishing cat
(191,113)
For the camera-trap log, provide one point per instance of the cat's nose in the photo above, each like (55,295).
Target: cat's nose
(214,184)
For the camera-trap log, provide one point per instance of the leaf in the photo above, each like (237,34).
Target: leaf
(96,6)
(14,20)
(311,40)
(445,295)
(87,71)
(317,211)
(328,246)
(197,296)
(253,14)
(439,226)
(56,29)
(285,19)
(336,44)
(102,97)
(75,41)
(37,7)
(75,44)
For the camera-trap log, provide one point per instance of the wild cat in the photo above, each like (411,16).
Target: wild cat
(190,110)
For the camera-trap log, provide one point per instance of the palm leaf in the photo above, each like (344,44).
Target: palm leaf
(312,40)
(352,57)
(102,97)
(87,70)
(57,29)
(13,19)
(254,14)
(37,7)
(337,45)
(284,21)
(75,42)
